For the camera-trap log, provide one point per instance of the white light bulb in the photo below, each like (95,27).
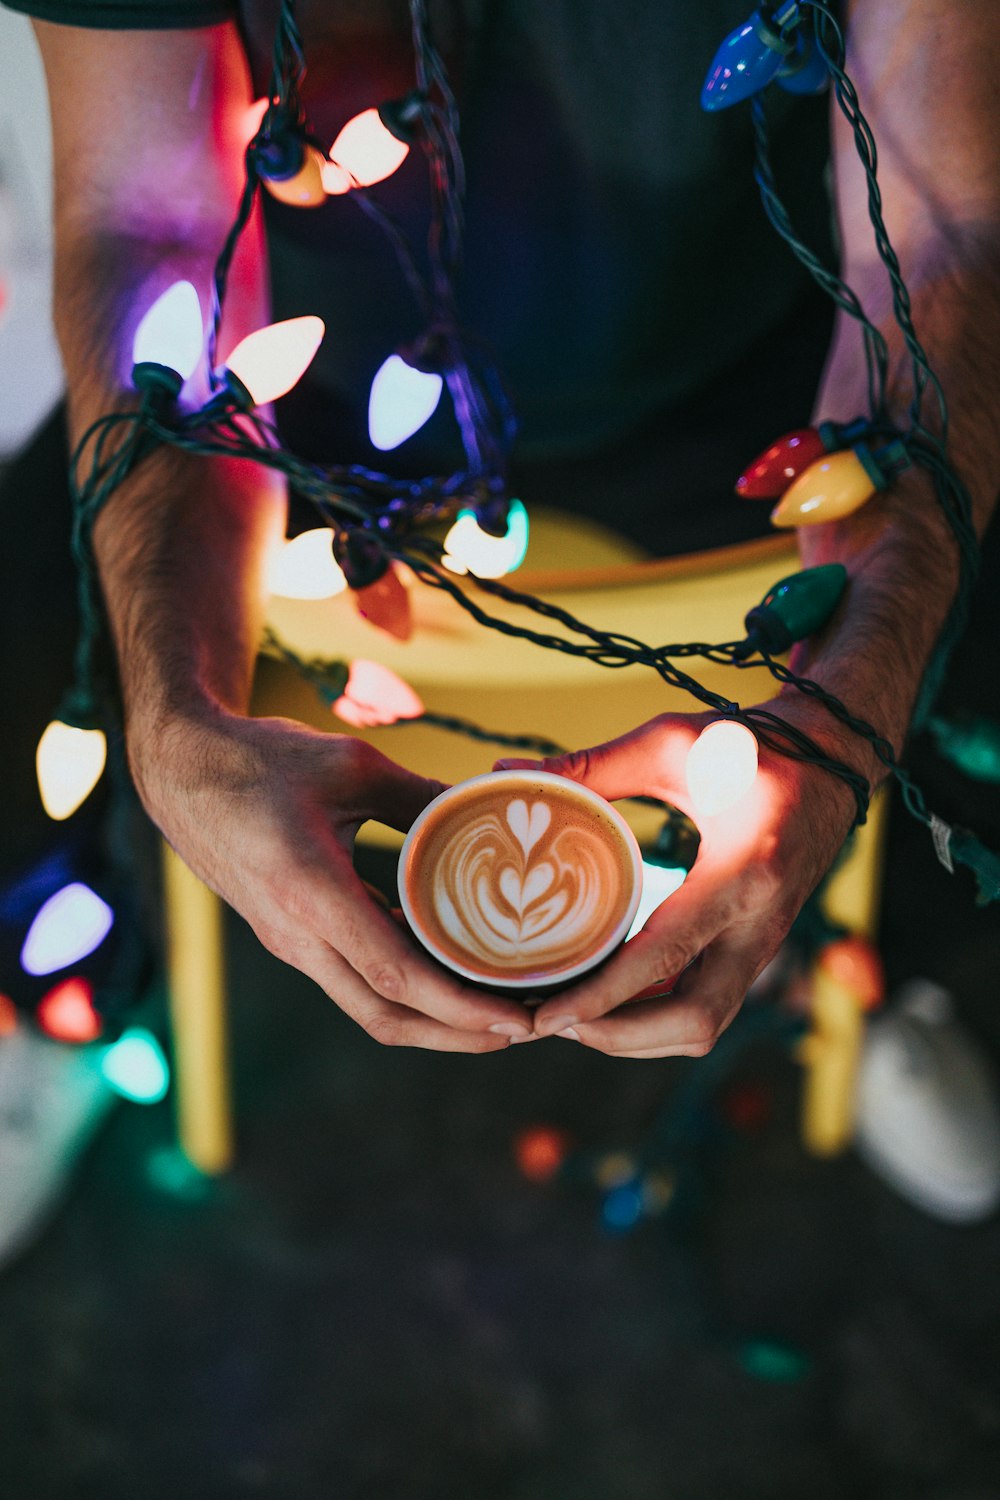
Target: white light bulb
(273,359)
(367,150)
(470,549)
(721,766)
(305,567)
(69,926)
(69,762)
(402,398)
(171,332)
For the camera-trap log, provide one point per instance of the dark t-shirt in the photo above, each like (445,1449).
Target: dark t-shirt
(652,328)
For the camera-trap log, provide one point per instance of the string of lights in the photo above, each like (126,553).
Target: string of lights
(376,521)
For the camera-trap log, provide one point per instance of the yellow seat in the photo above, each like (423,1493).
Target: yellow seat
(464,670)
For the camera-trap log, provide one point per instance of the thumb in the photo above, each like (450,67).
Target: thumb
(396,796)
(648,761)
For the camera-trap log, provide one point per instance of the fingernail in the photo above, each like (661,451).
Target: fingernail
(553,1024)
(512,1029)
(569,1034)
(517,1040)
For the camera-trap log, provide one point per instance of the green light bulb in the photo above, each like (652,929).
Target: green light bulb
(794,608)
(136,1068)
(973,746)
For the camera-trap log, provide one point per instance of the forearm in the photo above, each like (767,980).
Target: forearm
(180,546)
(899,550)
(923,77)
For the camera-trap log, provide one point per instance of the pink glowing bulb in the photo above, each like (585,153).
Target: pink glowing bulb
(374,695)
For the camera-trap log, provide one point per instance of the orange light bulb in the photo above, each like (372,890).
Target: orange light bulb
(271,361)
(305,188)
(67,1012)
(386,603)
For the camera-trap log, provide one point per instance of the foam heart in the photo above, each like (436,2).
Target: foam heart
(527,827)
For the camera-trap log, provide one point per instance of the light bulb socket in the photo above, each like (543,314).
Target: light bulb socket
(157,381)
(78,710)
(676,844)
(771,22)
(493,516)
(279,156)
(235,391)
(884,463)
(360,558)
(429,352)
(401,117)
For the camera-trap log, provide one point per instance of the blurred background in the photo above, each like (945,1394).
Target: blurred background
(536,1275)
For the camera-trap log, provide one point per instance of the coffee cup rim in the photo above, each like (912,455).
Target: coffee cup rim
(574,971)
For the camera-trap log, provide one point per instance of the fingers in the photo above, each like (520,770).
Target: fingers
(681,928)
(392,794)
(646,761)
(329,904)
(385,1022)
(689,1022)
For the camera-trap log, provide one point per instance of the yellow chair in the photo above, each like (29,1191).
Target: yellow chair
(464,670)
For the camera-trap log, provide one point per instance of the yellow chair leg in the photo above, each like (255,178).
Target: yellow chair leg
(196,980)
(831,1052)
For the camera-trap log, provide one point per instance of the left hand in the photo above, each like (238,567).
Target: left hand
(756,865)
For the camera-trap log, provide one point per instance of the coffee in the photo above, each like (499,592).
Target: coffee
(520,878)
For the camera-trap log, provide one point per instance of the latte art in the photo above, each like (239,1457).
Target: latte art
(524,881)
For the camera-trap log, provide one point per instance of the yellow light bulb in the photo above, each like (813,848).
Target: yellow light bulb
(721,767)
(833,487)
(269,362)
(69,763)
(306,188)
(305,568)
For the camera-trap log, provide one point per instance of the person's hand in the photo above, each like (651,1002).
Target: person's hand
(756,866)
(265,811)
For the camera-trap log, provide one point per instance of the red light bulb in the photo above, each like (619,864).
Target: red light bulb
(67,1012)
(772,471)
(386,603)
(540,1151)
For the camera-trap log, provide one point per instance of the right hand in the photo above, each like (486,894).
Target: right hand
(265,812)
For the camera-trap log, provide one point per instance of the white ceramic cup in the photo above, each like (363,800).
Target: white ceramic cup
(555,884)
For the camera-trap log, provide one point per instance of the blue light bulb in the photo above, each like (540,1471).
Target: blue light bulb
(68,927)
(401,401)
(806,71)
(746,62)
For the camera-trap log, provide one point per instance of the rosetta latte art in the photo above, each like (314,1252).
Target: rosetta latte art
(516,888)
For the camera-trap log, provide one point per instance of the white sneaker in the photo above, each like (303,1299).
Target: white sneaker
(928,1109)
(52,1099)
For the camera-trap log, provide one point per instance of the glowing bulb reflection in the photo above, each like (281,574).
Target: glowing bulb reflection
(69,926)
(470,549)
(402,399)
(366,150)
(69,762)
(305,567)
(272,360)
(170,332)
(721,767)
